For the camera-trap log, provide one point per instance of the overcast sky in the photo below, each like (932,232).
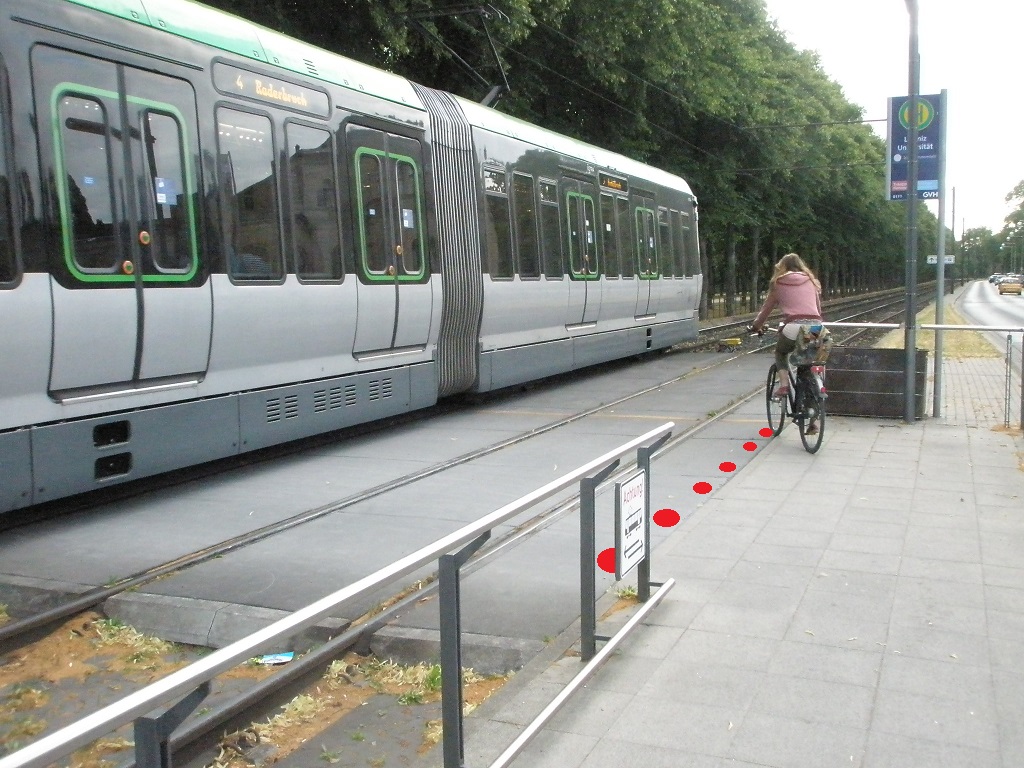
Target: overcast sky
(969,47)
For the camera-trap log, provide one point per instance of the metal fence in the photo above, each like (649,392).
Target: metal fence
(185,688)
(990,390)
(1012,385)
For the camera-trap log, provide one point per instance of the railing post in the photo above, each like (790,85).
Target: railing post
(1007,380)
(1022,383)
(588,564)
(451,649)
(153,732)
(643,568)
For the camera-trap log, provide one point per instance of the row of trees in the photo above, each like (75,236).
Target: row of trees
(708,89)
(983,251)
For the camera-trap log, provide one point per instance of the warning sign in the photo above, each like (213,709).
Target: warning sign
(630,523)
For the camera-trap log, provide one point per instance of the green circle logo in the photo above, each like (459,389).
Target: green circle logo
(925,114)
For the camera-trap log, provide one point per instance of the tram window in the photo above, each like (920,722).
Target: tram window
(313,193)
(590,265)
(372,213)
(665,251)
(626,267)
(497,233)
(246,147)
(691,251)
(572,205)
(86,134)
(526,225)
(551,247)
(610,239)
(408,207)
(8,269)
(678,245)
(647,252)
(170,226)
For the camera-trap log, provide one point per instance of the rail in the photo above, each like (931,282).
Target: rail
(186,687)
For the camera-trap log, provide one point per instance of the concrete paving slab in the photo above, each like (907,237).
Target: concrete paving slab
(883,630)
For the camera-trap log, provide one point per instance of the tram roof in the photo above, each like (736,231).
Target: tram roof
(506,125)
(241,37)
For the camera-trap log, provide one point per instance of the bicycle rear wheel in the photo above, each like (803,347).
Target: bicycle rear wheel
(776,407)
(814,413)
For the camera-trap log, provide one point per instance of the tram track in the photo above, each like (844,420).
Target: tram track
(10,632)
(252,702)
(26,626)
(357,636)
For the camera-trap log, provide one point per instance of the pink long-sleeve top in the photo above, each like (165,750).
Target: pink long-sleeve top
(796,296)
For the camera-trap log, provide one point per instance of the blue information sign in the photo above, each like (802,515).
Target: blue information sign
(929,147)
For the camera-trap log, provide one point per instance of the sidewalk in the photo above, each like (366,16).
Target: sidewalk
(860,607)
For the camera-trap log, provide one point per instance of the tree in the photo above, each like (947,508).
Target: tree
(707,89)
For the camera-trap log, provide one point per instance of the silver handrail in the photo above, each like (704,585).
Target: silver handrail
(63,742)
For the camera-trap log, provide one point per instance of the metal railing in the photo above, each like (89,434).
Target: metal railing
(1009,358)
(185,688)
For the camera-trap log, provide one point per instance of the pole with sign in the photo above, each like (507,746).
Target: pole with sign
(940,282)
(930,149)
(930,173)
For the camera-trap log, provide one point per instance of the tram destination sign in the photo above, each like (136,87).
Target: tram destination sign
(270,90)
(930,149)
(630,523)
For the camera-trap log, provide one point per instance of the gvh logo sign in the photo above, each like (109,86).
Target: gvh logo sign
(930,151)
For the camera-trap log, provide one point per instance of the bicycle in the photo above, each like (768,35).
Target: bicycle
(805,401)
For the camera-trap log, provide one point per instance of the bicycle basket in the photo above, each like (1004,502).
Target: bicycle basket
(813,345)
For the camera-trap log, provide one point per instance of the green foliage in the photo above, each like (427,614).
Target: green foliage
(432,682)
(708,89)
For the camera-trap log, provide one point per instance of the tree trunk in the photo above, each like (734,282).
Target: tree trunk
(730,271)
(755,248)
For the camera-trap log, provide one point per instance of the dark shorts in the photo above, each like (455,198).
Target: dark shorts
(782,349)
(784,345)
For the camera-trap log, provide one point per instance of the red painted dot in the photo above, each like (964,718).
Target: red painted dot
(702,487)
(606,560)
(666,518)
(727,466)
(766,432)
(750,446)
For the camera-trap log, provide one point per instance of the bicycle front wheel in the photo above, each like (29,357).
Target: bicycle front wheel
(776,406)
(814,413)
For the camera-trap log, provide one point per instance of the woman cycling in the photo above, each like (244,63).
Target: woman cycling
(797,293)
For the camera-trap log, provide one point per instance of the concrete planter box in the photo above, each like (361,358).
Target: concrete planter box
(870,382)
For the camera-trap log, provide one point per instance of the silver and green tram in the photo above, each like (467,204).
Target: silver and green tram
(215,238)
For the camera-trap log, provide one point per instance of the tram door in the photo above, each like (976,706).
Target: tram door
(584,270)
(645,224)
(131,306)
(395,295)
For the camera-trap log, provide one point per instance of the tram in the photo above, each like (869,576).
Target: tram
(215,238)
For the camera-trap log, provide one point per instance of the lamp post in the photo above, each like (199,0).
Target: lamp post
(910,336)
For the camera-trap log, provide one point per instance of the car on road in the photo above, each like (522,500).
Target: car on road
(1010,284)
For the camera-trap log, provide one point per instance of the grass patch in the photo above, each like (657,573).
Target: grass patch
(956,344)
(24,697)
(627,592)
(140,649)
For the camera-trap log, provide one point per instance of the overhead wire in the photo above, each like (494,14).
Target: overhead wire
(668,132)
(675,97)
(603,98)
